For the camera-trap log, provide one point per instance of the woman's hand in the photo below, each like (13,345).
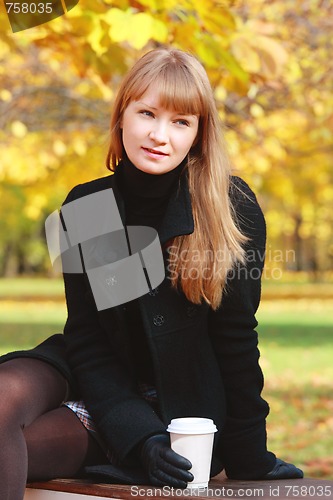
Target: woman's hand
(283,470)
(164,466)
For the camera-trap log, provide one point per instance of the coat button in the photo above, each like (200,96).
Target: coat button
(191,311)
(158,320)
(153,292)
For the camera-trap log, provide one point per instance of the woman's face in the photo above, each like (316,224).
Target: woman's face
(156,140)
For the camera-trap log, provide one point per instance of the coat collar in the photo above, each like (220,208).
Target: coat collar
(178,218)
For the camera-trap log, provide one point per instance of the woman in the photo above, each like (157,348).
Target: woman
(186,348)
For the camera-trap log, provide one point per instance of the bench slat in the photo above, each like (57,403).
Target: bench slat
(220,487)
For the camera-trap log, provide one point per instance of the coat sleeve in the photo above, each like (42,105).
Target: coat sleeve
(104,382)
(242,446)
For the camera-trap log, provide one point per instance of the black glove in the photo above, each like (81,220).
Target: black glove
(164,466)
(282,470)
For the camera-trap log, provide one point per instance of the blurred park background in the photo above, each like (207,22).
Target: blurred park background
(270,64)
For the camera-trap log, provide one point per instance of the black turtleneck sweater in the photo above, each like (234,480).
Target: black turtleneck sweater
(146,198)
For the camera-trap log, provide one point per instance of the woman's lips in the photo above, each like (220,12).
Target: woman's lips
(154,153)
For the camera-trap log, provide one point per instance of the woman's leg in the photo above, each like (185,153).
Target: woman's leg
(28,388)
(31,392)
(59,446)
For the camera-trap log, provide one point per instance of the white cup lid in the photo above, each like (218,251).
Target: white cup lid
(192,425)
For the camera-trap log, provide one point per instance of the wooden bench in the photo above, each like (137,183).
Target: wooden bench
(220,487)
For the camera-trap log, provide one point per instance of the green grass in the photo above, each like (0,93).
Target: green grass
(25,324)
(31,309)
(31,287)
(296,345)
(296,338)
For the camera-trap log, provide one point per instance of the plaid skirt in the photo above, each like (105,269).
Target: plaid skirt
(148,392)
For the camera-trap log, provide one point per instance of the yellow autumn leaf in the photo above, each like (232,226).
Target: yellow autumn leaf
(82,23)
(96,37)
(59,147)
(45,158)
(220,93)
(286,123)
(184,33)
(274,148)
(245,54)
(261,27)
(259,54)
(136,29)
(204,7)
(151,4)
(169,5)
(18,129)
(5,95)
(327,194)
(117,19)
(33,210)
(4,49)
(273,53)
(262,164)
(154,28)
(256,110)
(80,146)
(122,4)
(218,19)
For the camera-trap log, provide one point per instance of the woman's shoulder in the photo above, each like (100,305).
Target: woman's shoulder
(240,191)
(93,186)
(247,209)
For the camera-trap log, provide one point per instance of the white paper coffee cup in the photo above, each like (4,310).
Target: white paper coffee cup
(193,437)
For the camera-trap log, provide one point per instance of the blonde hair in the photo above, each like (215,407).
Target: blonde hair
(183,85)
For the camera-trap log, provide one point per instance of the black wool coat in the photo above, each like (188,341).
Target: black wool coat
(205,362)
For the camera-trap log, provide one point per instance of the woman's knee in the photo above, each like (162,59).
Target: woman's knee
(29,388)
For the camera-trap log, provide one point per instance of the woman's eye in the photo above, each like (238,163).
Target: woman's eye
(146,112)
(183,122)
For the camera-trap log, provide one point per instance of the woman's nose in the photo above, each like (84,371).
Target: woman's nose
(159,133)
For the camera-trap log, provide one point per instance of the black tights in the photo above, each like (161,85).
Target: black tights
(39,439)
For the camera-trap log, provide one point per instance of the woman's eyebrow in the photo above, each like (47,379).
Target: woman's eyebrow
(178,113)
(187,114)
(145,104)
